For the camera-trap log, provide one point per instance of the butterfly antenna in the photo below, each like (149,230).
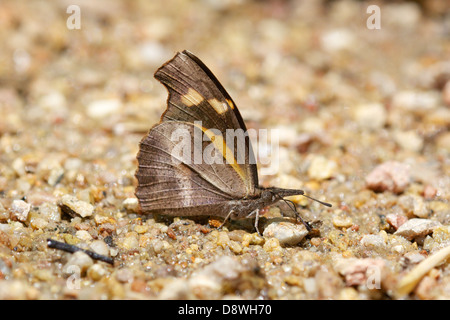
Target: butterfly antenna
(289,202)
(321,202)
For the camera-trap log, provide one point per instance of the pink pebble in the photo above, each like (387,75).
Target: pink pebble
(391,176)
(396,220)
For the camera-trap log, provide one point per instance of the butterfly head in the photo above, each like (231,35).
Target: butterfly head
(280,193)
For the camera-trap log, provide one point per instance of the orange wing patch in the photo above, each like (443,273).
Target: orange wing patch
(220,107)
(192,98)
(230,103)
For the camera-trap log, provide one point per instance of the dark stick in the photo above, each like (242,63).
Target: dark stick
(71,248)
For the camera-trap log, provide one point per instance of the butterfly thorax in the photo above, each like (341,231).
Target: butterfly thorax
(261,198)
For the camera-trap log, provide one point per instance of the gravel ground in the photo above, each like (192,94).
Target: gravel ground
(362,118)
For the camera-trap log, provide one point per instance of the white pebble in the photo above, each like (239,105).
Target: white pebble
(100,247)
(416,227)
(415,100)
(19,166)
(131,204)
(370,116)
(50,212)
(77,263)
(79,207)
(409,140)
(152,52)
(83,235)
(373,241)
(54,101)
(102,108)
(20,209)
(337,40)
(287,233)
(321,168)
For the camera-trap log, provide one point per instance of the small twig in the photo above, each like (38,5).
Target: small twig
(71,248)
(410,281)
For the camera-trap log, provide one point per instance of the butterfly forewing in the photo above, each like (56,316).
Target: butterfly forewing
(196,96)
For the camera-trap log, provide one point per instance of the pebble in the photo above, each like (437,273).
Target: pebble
(19,166)
(15,289)
(153,53)
(55,175)
(141,228)
(71,205)
(131,241)
(409,140)
(373,241)
(341,220)
(415,100)
(38,223)
(235,247)
(78,262)
(252,239)
(359,271)
(415,228)
(312,125)
(54,101)
(177,289)
(50,212)
(414,205)
(207,282)
(20,209)
(371,115)
(439,118)
(391,176)
(159,246)
(125,275)
(4,215)
(224,268)
(429,192)
(406,15)
(337,40)
(412,258)
(443,142)
(287,233)
(321,168)
(96,272)
(396,220)
(273,244)
(99,109)
(131,204)
(83,235)
(285,135)
(223,239)
(70,239)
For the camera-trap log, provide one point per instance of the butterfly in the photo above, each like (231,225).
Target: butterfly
(186,167)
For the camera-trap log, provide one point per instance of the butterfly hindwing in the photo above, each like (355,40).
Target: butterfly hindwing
(169,178)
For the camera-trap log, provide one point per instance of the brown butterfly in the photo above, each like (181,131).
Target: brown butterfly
(177,183)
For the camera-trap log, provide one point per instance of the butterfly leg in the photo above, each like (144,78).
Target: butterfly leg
(297,215)
(226,218)
(256,213)
(256,221)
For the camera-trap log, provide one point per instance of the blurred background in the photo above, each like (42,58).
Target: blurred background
(77,94)
(313,69)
